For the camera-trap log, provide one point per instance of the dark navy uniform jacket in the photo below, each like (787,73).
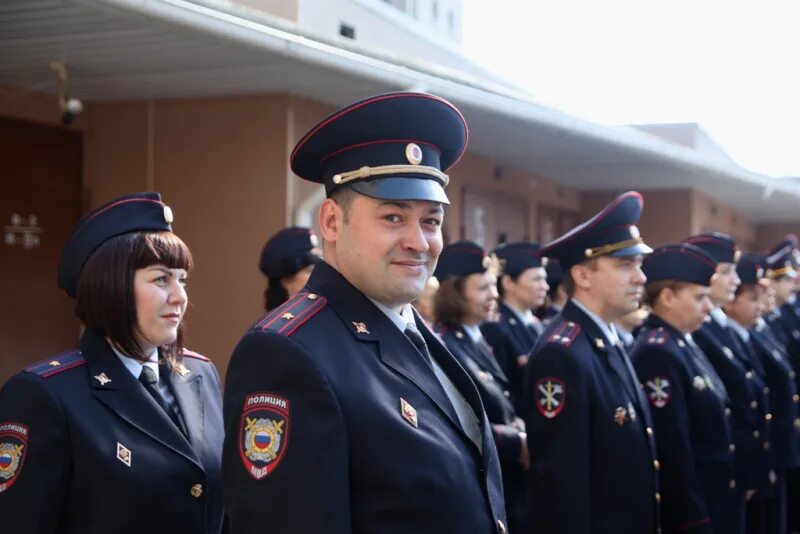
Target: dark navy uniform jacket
(748,404)
(783,398)
(100,456)
(520,340)
(593,457)
(695,444)
(493,386)
(368,439)
(785,325)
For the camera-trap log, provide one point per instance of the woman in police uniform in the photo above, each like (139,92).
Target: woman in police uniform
(466,297)
(124,433)
(287,261)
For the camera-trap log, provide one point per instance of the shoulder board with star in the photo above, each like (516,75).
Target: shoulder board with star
(292,314)
(565,333)
(56,364)
(196,355)
(658,336)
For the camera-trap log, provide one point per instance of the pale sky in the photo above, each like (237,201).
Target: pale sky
(733,67)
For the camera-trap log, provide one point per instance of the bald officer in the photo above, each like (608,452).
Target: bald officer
(592,452)
(343,412)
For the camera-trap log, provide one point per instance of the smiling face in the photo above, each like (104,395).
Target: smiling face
(480,294)
(160,296)
(386,249)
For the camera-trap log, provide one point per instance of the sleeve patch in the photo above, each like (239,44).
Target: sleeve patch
(658,391)
(263,433)
(550,395)
(13,450)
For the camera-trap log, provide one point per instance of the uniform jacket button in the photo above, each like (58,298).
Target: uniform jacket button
(756,434)
(732,484)
(501,528)
(727,412)
(748,375)
(732,447)
(196,491)
(768,417)
(658,497)
(649,431)
(656,465)
(754,404)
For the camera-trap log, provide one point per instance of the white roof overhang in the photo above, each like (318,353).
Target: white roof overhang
(142,49)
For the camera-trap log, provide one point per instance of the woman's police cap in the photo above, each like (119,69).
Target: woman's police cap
(681,262)
(395,146)
(721,246)
(130,213)
(612,232)
(463,258)
(750,269)
(515,258)
(288,251)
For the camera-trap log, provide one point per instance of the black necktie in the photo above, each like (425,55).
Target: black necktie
(416,338)
(150,382)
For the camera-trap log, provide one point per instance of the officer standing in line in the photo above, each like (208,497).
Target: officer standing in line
(466,297)
(287,261)
(122,434)
(556,296)
(343,412)
(593,457)
(688,399)
(748,402)
(522,287)
(779,376)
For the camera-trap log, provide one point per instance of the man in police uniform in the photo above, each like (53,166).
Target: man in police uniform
(592,451)
(343,412)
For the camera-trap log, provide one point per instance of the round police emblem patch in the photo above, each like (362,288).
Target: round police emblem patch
(13,450)
(550,396)
(658,391)
(264,433)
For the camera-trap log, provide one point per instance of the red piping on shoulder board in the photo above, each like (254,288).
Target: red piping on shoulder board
(196,355)
(289,328)
(276,314)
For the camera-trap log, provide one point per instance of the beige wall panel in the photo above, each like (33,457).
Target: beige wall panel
(115,151)
(709,215)
(666,217)
(220,164)
(768,235)
(481,172)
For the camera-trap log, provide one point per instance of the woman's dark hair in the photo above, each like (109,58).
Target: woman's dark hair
(275,294)
(514,278)
(449,303)
(105,297)
(653,289)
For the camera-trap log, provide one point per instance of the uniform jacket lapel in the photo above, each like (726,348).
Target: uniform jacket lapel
(114,386)
(187,390)
(371,325)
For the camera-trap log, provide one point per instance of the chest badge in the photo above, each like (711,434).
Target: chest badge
(102,379)
(550,396)
(408,412)
(620,415)
(124,454)
(658,391)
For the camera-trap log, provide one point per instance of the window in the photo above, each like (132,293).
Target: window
(345,30)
